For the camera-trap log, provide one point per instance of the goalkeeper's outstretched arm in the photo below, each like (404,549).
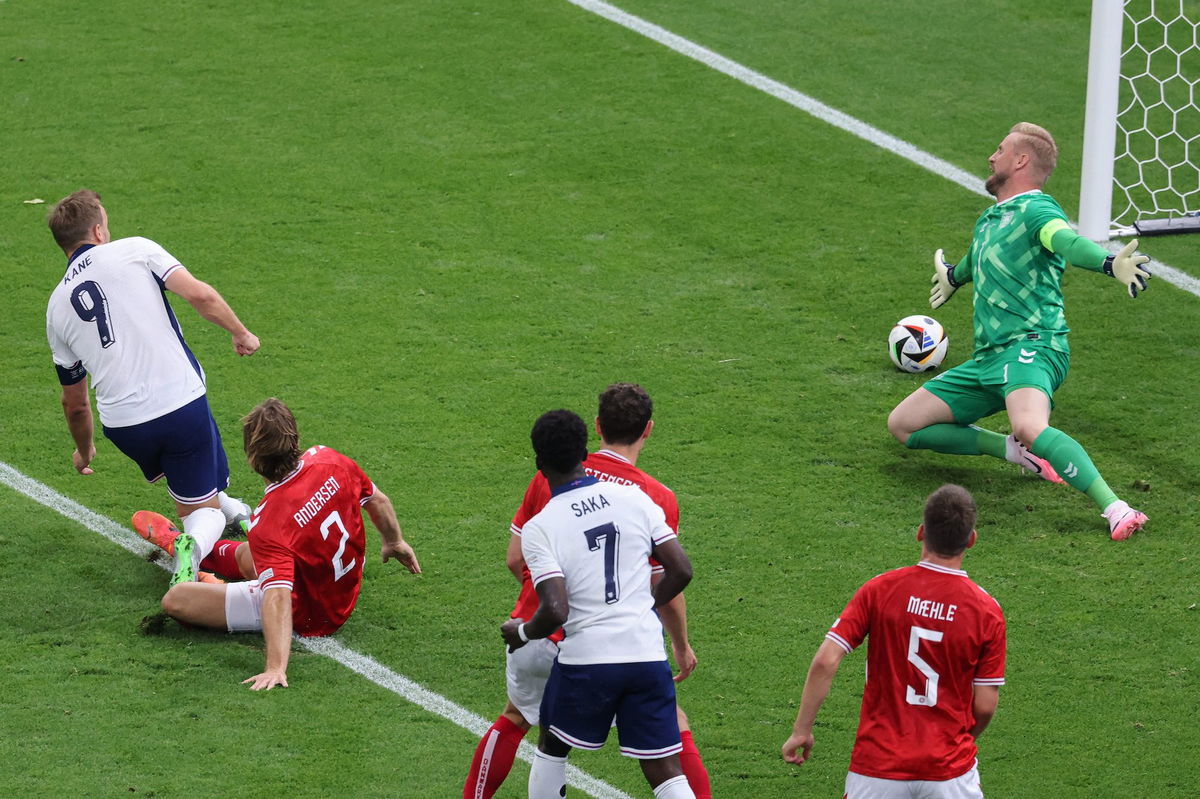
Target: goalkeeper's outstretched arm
(1126,266)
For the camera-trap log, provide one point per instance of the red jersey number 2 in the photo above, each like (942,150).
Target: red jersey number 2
(340,569)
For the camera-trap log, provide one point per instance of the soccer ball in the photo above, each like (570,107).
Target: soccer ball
(917,344)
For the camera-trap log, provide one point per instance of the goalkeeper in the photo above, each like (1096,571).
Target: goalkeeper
(1019,250)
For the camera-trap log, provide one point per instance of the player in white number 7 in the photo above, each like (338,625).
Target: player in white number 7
(935,662)
(304,557)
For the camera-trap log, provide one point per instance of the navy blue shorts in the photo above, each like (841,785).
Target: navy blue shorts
(184,446)
(581,702)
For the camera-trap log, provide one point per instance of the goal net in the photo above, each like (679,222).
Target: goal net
(1142,158)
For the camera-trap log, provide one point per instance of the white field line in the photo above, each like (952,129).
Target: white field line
(816,108)
(329,647)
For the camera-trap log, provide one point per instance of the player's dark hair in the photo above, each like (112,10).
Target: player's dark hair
(559,441)
(271,440)
(625,410)
(74,216)
(949,520)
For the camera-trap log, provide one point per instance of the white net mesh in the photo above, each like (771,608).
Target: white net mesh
(1157,167)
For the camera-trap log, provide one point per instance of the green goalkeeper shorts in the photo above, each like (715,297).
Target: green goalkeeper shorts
(977,388)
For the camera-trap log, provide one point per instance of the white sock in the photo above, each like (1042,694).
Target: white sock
(205,526)
(547,777)
(1013,450)
(674,788)
(232,507)
(1118,507)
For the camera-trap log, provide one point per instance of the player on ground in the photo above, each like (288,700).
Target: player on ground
(588,553)
(305,550)
(623,423)
(1020,247)
(109,317)
(935,664)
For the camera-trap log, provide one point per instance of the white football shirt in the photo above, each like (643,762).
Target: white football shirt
(110,312)
(598,538)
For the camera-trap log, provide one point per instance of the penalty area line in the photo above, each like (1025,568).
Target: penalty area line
(826,113)
(331,648)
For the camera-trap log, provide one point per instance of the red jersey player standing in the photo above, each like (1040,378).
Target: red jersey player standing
(935,663)
(623,423)
(305,550)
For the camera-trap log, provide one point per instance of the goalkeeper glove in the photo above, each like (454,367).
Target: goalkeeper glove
(1127,268)
(943,281)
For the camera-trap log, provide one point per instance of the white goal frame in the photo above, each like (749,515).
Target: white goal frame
(1104,120)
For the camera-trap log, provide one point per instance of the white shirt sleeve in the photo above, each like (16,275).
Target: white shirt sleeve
(535,547)
(160,262)
(59,350)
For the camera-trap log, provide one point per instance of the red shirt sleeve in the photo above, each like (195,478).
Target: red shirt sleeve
(537,494)
(272,556)
(851,628)
(990,670)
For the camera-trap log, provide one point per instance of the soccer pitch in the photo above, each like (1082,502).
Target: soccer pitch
(445,219)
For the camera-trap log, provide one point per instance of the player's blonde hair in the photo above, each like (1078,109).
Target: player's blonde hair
(1040,144)
(73,217)
(271,440)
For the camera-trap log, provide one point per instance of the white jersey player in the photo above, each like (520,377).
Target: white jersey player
(109,318)
(596,539)
(601,535)
(109,313)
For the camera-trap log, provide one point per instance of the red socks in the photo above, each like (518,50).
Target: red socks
(494,759)
(222,561)
(693,767)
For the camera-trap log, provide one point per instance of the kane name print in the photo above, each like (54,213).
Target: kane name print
(589,505)
(83,264)
(309,510)
(930,609)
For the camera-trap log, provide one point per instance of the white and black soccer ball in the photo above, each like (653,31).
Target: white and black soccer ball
(917,344)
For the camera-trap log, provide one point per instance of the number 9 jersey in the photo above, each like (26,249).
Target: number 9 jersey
(934,636)
(109,315)
(307,536)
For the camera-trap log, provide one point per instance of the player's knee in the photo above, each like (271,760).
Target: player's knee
(512,714)
(245,561)
(1028,432)
(172,603)
(681,718)
(899,427)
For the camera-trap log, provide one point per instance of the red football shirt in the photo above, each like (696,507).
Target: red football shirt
(606,466)
(934,635)
(307,536)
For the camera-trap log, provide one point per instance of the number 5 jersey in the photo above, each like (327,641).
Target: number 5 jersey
(934,635)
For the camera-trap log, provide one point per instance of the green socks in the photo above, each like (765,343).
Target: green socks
(1063,452)
(958,439)
(1073,465)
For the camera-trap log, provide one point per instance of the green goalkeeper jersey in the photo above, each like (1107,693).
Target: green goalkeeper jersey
(1018,280)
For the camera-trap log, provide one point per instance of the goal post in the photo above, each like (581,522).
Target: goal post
(1141,150)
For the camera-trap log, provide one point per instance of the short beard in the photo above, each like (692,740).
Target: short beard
(995,182)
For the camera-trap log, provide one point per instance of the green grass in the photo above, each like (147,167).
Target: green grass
(443,220)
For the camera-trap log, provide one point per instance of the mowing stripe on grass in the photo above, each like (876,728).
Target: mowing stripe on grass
(361,664)
(816,108)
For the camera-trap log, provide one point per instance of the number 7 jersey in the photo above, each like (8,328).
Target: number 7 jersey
(307,535)
(597,536)
(933,636)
